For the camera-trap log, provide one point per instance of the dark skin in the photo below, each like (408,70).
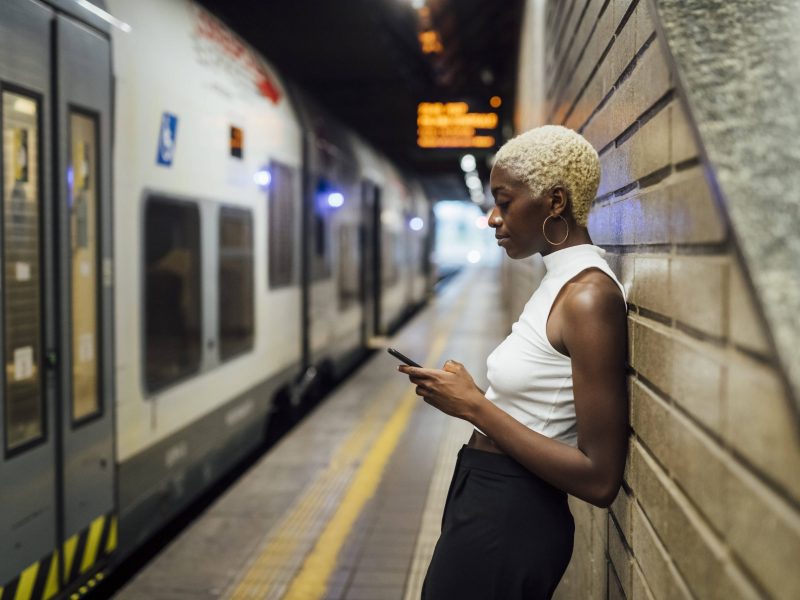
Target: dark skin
(588,323)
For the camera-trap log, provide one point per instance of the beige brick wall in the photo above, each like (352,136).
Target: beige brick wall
(710,505)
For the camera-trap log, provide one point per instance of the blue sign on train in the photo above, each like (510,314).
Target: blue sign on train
(167,139)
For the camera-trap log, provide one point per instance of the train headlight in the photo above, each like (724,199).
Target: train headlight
(416,224)
(335,199)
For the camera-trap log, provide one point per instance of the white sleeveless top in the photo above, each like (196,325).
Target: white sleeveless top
(528,378)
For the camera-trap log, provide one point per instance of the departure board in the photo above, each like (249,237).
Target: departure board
(455,125)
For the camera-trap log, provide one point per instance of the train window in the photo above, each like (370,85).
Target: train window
(389,262)
(173,306)
(82,202)
(282,222)
(321,255)
(349,271)
(424,245)
(320,236)
(236,316)
(22,321)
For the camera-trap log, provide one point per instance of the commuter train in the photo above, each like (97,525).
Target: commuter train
(187,243)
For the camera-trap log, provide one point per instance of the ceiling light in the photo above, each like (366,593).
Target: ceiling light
(468,163)
(25,106)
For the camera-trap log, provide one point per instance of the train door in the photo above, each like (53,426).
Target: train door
(28,477)
(371,260)
(56,464)
(84,305)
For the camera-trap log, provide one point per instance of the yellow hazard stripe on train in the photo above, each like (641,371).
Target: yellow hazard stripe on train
(80,555)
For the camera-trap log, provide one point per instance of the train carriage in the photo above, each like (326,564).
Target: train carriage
(187,242)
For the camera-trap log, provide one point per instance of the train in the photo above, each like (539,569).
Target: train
(190,244)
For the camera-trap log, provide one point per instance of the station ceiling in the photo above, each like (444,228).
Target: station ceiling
(364,61)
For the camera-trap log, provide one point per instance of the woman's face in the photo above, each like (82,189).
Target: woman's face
(516,217)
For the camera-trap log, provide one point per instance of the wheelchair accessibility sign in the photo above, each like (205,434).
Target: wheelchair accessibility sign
(167,139)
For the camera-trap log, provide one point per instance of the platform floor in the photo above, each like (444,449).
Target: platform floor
(349,504)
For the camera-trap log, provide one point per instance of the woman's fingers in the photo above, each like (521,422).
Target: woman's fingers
(409,370)
(453,366)
(418,373)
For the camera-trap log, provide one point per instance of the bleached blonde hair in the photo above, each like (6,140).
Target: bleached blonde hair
(551,156)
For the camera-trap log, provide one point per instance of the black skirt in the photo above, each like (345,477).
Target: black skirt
(506,533)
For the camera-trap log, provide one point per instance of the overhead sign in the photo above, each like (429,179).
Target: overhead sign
(452,125)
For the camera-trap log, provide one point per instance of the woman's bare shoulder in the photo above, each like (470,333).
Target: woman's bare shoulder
(592,293)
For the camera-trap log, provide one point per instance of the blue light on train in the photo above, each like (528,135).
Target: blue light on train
(263,178)
(335,199)
(416,224)
(70,185)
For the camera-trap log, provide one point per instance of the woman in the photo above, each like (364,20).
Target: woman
(555,416)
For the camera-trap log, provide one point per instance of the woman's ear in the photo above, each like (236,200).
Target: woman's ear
(560,199)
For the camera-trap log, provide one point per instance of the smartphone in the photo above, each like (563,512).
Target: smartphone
(402,357)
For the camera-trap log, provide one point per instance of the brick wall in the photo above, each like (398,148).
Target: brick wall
(710,505)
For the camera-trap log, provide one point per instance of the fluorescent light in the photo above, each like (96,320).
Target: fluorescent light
(468,163)
(473,182)
(107,17)
(25,106)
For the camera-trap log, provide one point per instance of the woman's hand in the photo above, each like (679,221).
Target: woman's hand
(450,389)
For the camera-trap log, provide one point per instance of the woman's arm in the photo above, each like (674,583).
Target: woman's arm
(595,336)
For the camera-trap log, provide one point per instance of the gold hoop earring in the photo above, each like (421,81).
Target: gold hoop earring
(545,234)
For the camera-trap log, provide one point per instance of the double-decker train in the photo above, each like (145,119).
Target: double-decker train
(187,242)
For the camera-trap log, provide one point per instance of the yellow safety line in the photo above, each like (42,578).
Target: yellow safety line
(51,587)
(311,581)
(26,582)
(90,553)
(265,572)
(277,556)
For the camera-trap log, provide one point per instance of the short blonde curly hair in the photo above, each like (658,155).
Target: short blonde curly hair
(550,156)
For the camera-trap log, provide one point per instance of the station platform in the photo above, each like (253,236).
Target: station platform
(347,505)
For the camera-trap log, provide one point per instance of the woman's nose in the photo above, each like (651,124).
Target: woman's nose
(494,221)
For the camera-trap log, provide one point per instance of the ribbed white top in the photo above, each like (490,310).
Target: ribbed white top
(528,378)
